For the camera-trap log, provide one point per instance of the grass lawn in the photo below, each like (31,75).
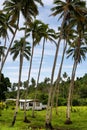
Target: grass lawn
(78,117)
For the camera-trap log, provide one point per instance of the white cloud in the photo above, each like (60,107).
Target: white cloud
(47,2)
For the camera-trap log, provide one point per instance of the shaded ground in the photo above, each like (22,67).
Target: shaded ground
(55,128)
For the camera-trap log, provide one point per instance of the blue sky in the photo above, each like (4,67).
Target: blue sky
(11,68)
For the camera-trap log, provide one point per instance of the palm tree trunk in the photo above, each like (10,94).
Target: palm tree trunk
(3,62)
(18,91)
(49,107)
(68,120)
(38,77)
(26,91)
(71,88)
(25,117)
(56,90)
(41,63)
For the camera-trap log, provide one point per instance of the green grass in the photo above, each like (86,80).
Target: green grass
(78,117)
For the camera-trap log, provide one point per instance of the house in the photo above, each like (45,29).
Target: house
(30,103)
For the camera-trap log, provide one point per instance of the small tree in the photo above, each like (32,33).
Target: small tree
(21,48)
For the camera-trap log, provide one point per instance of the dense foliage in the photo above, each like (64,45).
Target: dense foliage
(79,97)
(4,87)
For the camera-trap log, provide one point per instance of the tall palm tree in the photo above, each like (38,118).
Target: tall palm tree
(57,10)
(78,52)
(56,89)
(46,34)
(65,9)
(18,49)
(34,27)
(29,10)
(14,16)
(4,27)
(67,36)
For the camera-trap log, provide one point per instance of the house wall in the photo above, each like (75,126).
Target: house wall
(30,104)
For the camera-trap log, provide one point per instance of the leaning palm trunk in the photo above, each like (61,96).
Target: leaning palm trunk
(71,88)
(26,91)
(38,76)
(56,89)
(49,107)
(68,120)
(41,63)
(18,91)
(5,57)
(3,62)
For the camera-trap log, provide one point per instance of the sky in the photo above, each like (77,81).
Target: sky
(11,68)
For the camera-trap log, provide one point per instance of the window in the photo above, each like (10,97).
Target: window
(30,103)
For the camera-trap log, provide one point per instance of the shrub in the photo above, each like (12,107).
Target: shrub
(10,103)
(2,105)
(61,101)
(75,102)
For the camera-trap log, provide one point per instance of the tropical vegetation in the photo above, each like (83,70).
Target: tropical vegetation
(64,90)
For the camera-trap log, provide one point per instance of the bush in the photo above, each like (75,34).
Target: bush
(43,98)
(79,102)
(2,105)
(61,101)
(75,102)
(83,102)
(10,103)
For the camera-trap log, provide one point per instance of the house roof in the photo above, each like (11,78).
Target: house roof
(28,100)
(10,99)
(23,100)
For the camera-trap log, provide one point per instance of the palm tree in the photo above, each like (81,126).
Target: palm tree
(46,34)
(65,9)
(18,49)
(34,27)
(4,27)
(33,82)
(65,76)
(67,36)
(14,8)
(14,15)
(29,10)
(78,52)
(57,10)
(56,89)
